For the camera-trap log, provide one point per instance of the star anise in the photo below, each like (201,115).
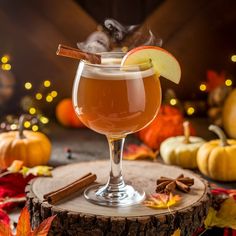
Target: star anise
(167,185)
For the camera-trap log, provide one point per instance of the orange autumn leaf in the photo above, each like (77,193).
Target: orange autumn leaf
(160,200)
(5,229)
(136,152)
(44,227)
(24,228)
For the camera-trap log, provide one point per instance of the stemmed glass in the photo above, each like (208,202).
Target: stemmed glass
(116,100)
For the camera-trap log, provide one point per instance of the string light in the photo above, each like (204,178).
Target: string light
(47,83)
(5,59)
(35,128)
(27,124)
(190,111)
(54,94)
(203,87)
(28,85)
(228,82)
(44,120)
(6,67)
(173,101)
(13,126)
(49,98)
(38,96)
(32,110)
(233,58)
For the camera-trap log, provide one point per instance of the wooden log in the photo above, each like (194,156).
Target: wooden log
(76,216)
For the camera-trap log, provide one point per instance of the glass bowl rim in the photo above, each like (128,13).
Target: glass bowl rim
(110,66)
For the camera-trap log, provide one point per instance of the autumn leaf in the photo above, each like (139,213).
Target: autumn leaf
(177,232)
(43,228)
(37,171)
(5,229)
(23,226)
(214,79)
(160,200)
(15,166)
(225,217)
(136,152)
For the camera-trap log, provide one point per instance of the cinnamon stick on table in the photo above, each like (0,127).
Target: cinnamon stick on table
(75,53)
(59,194)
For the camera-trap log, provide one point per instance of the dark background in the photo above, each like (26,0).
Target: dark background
(201,34)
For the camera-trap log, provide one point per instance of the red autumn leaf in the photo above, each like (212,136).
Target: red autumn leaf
(214,79)
(4,217)
(5,229)
(23,226)
(43,228)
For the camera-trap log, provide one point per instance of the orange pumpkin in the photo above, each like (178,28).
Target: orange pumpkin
(66,115)
(168,123)
(33,148)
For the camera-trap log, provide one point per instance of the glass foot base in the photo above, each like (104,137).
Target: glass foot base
(106,196)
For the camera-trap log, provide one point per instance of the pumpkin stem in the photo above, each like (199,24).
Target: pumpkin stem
(21,126)
(186,132)
(219,132)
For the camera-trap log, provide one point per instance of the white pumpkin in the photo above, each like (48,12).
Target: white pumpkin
(181,150)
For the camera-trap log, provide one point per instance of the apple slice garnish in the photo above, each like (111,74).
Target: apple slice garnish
(163,62)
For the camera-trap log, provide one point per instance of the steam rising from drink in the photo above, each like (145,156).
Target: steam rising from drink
(113,36)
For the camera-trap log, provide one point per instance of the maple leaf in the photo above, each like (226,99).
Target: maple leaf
(136,152)
(23,227)
(160,200)
(5,229)
(15,166)
(44,227)
(177,232)
(36,171)
(225,217)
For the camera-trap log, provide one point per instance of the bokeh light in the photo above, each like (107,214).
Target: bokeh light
(38,96)
(28,85)
(173,101)
(35,128)
(32,110)
(190,111)
(228,82)
(47,83)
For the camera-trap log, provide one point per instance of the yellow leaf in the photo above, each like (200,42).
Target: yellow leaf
(136,152)
(37,171)
(162,200)
(15,166)
(225,217)
(177,232)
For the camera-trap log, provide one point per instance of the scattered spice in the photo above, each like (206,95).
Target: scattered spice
(168,185)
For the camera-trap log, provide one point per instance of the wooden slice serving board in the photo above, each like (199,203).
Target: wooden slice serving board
(77,216)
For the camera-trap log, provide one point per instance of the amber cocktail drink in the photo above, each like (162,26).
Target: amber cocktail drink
(116,101)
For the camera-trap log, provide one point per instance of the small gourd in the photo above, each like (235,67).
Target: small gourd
(181,150)
(33,148)
(217,158)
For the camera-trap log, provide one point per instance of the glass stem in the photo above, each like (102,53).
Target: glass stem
(116,181)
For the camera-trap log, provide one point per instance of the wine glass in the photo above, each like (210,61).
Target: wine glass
(116,100)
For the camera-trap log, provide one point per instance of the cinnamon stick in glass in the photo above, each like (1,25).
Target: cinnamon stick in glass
(61,193)
(75,53)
